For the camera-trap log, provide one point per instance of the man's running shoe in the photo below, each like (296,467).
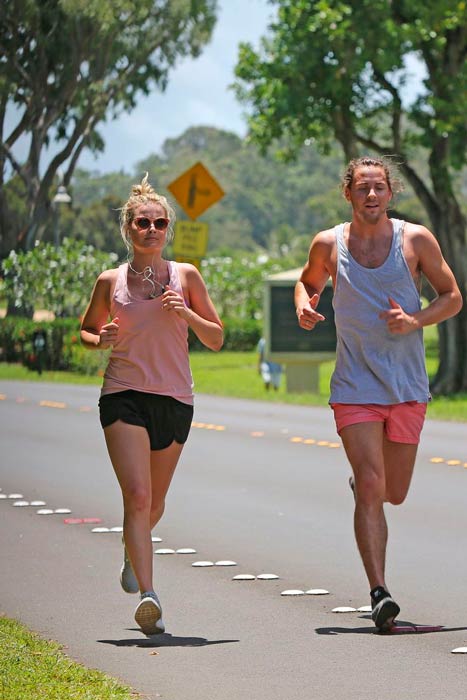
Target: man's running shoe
(384,609)
(127,576)
(148,614)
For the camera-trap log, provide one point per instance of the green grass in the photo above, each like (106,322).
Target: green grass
(21,373)
(235,374)
(31,668)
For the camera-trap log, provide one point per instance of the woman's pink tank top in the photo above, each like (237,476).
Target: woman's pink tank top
(151,352)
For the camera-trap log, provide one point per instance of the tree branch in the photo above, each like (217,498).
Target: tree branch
(19,130)
(421,190)
(83,126)
(77,152)
(14,163)
(18,66)
(397,107)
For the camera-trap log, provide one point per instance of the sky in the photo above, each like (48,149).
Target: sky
(197,93)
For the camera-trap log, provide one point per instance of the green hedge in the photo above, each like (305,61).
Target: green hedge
(239,334)
(63,350)
(16,342)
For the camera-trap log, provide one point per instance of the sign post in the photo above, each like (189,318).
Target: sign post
(195,190)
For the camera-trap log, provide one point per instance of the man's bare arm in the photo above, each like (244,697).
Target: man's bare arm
(426,251)
(313,279)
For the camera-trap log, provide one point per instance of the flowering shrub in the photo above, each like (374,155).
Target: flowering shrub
(59,280)
(236,283)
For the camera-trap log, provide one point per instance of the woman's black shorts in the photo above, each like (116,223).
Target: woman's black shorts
(165,418)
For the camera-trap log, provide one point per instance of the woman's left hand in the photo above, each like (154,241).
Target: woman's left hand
(172,301)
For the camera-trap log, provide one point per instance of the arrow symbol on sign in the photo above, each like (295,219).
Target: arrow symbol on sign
(193,191)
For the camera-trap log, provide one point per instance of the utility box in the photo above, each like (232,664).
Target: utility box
(301,351)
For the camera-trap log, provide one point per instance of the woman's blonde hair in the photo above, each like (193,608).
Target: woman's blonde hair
(144,193)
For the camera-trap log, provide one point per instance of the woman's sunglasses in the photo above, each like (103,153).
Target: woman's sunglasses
(142,222)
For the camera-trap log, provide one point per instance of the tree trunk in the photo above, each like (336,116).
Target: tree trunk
(451,376)
(23,311)
(8,226)
(37,224)
(345,133)
(449,228)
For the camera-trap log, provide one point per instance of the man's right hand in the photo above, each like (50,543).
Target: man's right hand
(307,316)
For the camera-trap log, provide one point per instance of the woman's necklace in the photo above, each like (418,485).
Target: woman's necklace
(148,275)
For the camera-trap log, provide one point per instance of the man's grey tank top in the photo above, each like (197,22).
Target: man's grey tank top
(372,364)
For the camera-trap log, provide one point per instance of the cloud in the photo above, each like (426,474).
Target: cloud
(198,93)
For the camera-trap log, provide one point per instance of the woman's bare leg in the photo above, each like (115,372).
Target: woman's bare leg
(144,477)
(163,464)
(130,454)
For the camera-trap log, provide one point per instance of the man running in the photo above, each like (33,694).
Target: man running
(379,388)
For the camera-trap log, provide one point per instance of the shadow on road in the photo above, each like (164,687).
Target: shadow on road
(402,627)
(165,640)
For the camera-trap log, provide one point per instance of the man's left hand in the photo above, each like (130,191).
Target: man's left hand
(397,320)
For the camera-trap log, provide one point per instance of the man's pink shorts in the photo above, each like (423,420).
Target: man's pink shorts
(403,422)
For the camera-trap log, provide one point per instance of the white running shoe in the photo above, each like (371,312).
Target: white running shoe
(148,614)
(127,576)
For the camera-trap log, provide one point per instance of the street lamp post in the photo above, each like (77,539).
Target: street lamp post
(61,197)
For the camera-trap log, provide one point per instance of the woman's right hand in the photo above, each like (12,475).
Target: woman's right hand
(108,334)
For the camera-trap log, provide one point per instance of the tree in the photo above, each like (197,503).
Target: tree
(67,66)
(91,187)
(337,70)
(98,225)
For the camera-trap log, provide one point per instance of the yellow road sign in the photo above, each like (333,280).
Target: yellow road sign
(191,239)
(196,190)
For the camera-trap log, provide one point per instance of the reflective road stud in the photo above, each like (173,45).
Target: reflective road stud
(226,562)
(203,563)
(164,551)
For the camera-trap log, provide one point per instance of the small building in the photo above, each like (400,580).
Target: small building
(299,350)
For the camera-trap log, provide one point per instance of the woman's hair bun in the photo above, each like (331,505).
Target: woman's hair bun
(144,188)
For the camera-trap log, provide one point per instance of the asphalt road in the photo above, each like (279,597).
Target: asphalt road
(266,487)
